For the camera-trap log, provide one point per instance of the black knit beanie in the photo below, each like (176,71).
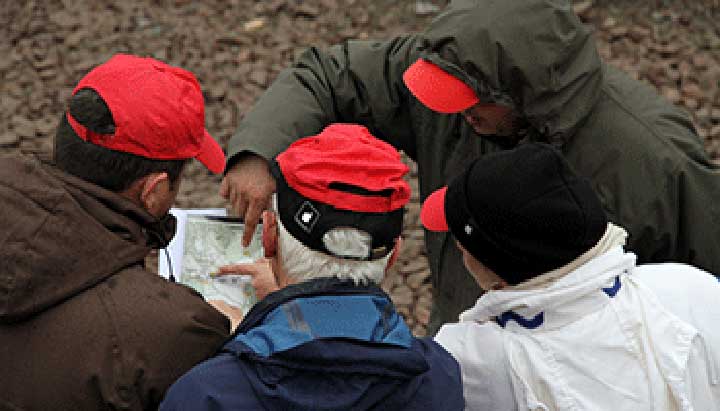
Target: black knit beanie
(523,212)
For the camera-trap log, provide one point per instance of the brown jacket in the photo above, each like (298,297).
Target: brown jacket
(82,325)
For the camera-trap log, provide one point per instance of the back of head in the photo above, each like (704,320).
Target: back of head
(340,198)
(131,117)
(302,263)
(110,169)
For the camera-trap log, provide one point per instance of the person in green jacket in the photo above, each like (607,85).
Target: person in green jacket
(533,74)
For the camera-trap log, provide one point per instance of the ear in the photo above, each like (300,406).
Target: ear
(269,233)
(152,190)
(395,253)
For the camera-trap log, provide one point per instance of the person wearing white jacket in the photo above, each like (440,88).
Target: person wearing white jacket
(568,320)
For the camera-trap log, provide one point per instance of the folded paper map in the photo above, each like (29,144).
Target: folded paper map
(207,239)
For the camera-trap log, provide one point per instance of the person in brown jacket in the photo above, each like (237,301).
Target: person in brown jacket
(83,326)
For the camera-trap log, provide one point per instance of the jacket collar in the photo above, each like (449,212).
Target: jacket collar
(322,309)
(321,286)
(539,319)
(126,219)
(584,290)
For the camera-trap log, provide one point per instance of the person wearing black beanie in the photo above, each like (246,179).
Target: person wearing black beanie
(569,321)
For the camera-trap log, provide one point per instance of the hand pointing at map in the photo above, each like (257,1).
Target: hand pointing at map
(248,186)
(263,281)
(263,278)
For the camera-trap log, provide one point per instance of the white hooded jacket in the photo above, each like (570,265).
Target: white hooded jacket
(609,335)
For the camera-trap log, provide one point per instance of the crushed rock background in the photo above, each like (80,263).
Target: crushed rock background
(237,47)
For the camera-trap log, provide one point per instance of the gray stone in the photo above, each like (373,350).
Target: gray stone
(22,126)
(417,279)
(402,295)
(46,126)
(417,264)
(422,315)
(8,139)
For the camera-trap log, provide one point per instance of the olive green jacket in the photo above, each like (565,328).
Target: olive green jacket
(641,153)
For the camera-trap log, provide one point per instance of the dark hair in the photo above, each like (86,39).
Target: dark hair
(110,169)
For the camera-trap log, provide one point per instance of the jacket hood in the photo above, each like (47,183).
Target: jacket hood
(61,235)
(370,360)
(323,344)
(337,375)
(556,296)
(532,55)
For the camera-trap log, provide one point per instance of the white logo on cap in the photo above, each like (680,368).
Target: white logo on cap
(468,229)
(307,216)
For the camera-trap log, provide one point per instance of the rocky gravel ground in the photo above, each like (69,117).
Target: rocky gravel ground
(237,47)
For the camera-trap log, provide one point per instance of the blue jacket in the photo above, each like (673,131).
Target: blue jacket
(323,345)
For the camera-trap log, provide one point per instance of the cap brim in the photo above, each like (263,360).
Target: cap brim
(432,214)
(211,155)
(437,89)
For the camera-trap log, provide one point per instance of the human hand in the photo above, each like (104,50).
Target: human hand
(263,278)
(248,186)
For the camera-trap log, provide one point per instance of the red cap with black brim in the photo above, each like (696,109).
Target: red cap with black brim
(342,177)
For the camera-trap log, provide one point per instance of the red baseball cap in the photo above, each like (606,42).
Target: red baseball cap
(346,155)
(437,89)
(342,177)
(432,213)
(158,110)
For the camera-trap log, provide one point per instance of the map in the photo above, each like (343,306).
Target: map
(211,242)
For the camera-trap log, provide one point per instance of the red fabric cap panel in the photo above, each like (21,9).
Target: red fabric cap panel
(211,155)
(432,213)
(348,155)
(437,89)
(158,111)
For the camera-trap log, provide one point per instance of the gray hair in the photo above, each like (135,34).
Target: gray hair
(301,263)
